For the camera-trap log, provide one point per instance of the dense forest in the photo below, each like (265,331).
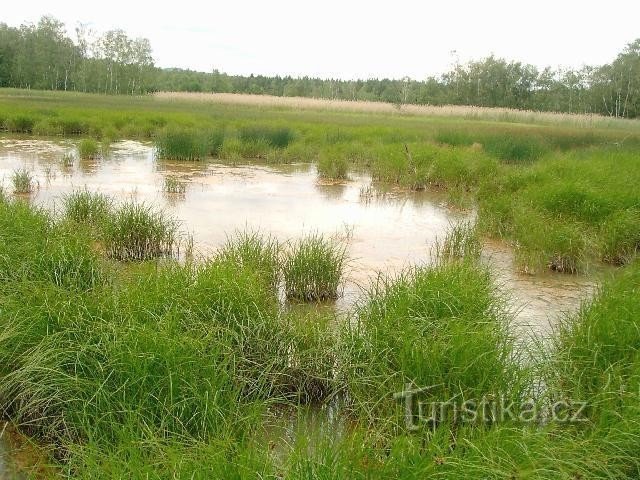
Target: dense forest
(43,56)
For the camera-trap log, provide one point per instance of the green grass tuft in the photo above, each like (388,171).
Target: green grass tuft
(88,149)
(272,136)
(256,252)
(187,144)
(23,182)
(443,327)
(462,242)
(135,232)
(334,168)
(312,269)
(82,206)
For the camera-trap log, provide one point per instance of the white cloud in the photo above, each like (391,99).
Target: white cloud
(356,39)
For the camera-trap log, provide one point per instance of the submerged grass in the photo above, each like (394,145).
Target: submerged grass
(313,268)
(23,182)
(173,185)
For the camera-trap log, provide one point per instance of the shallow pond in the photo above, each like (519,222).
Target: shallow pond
(385,233)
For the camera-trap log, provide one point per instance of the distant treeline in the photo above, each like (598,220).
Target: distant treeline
(42,56)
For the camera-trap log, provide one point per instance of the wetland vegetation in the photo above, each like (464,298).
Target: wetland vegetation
(122,357)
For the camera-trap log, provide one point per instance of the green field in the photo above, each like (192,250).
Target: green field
(122,357)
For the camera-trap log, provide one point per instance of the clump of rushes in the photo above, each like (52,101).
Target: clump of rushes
(190,145)
(88,149)
(313,268)
(445,327)
(82,206)
(256,252)
(595,359)
(461,242)
(454,137)
(274,137)
(23,181)
(136,231)
(174,186)
(621,237)
(516,149)
(332,167)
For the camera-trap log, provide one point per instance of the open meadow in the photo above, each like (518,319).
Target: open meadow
(219,286)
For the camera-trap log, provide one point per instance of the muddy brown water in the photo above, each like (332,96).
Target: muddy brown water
(385,233)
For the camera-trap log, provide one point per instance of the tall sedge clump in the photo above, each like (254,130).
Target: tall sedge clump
(137,232)
(313,268)
(88,149)
(594,360)
(82,206)
(444,328)
(23,181)
(185,144)
(256,252)
(333,167)
(462,241)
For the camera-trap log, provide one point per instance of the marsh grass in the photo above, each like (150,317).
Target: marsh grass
(445,327)
(173,185)
(593,357)
(515,149)
(454,138)
(621,237)
(89,149)
(20,124)
(256,252)
(82,206)
(462,242)
(136,232)
(333,168)
(164,369)
(188,144)
(167,368)
(235,149)
(23,181)
(275,137)
(313,267)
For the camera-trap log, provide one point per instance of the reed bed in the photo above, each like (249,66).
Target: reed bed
(469,112)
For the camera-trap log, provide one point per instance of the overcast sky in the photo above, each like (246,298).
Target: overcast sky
(354,39)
